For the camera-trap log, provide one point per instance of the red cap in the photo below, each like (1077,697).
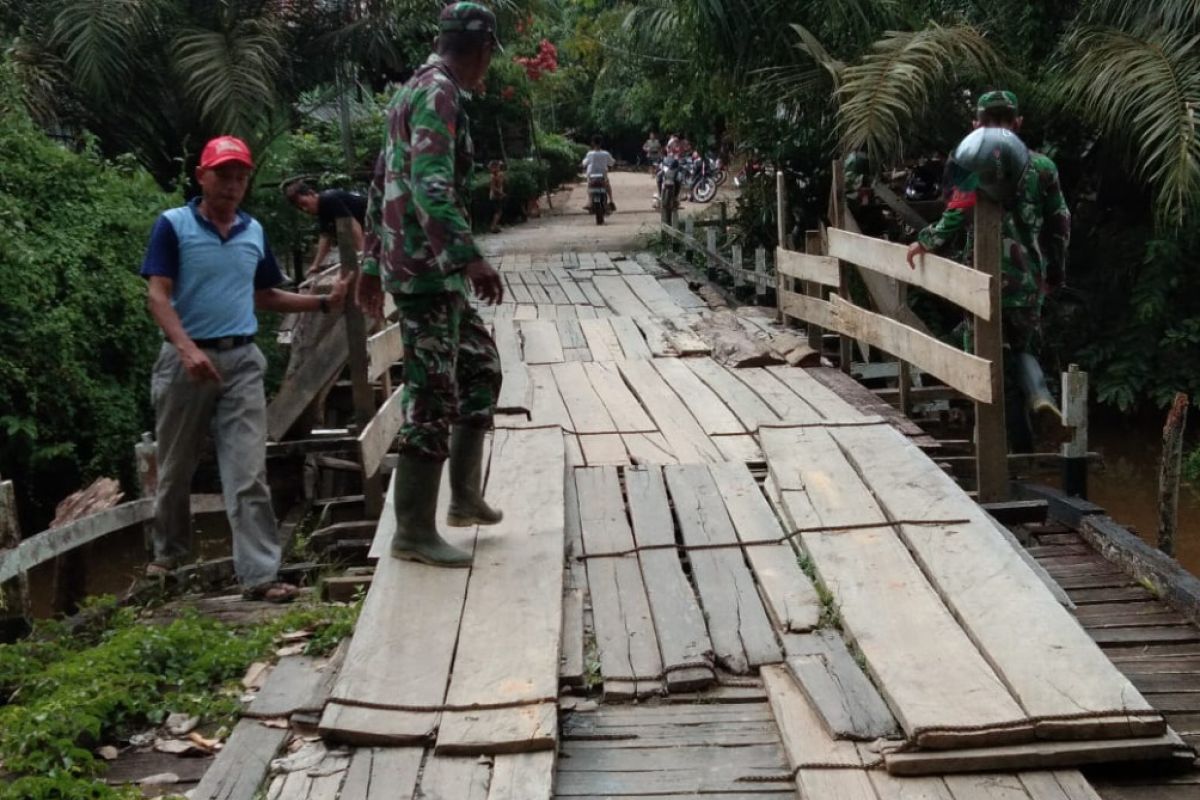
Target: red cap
(224,149)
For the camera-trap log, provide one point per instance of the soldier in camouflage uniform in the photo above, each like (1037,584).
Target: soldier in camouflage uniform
(419,248)
(1036,232)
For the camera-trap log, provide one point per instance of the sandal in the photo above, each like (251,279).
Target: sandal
(272,592)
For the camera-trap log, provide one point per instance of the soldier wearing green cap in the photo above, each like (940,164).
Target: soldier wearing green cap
(1035,234)
(419,247)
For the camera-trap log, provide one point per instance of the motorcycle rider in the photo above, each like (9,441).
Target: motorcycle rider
(653,150)
(1036,232)
(596,162)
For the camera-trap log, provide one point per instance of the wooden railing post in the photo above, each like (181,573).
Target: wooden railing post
(1168,475)
(10,537)
(904,373)
(837,217)
(814,245)
(781,206)
(760,276)
(710,248)
(356,335)
(735,257)
(991,437)
(1075,417)
(145,456)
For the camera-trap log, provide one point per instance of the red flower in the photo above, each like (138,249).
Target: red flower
(508,92)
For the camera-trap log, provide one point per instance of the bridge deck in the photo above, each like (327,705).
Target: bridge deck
(767,592)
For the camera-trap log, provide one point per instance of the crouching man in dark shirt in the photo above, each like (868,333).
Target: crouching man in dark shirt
(328,207)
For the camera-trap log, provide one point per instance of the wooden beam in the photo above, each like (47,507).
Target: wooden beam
(805,267)
(966,287)
(384,349)
(376,438)
(991,435)
(52,543)
(299,389)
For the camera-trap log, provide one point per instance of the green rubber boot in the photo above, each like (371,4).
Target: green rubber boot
(416,492)
(1044,415)
(467,506)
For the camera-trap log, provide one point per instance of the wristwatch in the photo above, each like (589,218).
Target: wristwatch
(324,305)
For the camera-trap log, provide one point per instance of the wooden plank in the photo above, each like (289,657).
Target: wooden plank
(739,448)
(805,267)
(706,406)
(789,406)
(525,776)
(658,339)
(601,339)
(681,293)
(1041,755)
(653,296)
(1058,785)
(299,388)
(570,334)
(682,636)
(377,437)
(619,296)
(384,349)
(683,339)
(381,773)
(987,787)
(630,337)
(546,405)
(991,436)
(627,414)
(291,687)
(574,294)
(648,448)
(515,389)
(966,287)
(42,547)
(588,287)
(511,630)
(805,740)
(541,342)
(737,622)
(603,449)
(684,436)
(402,648)
(497,731)
(847,702)
(789,595)
(451,778)
(1048,662)
(571,668)
(748,406)
(935,680)
(625,635)
(826,402)
(586,409)
(239,769)
(889,788)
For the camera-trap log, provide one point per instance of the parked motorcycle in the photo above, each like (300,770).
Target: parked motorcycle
(749,171)
(716,168)
(670,182)
(699,181)
(597,197)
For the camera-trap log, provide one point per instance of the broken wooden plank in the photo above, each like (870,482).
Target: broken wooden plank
(621,615)
(633,345)
(684,436)
(300,387)
(737,622)
(239,769)
(292,686)
(377,437)
(384,349)
(653,296)
(706,406)
(540,342)
(601,339)
(626,412)
(682,636)
(515,389)
(741,399)
(790,597)
(508,644)
(586,409)
(848,703)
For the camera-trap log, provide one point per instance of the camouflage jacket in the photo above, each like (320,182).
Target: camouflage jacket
(418,233)
(1036,232)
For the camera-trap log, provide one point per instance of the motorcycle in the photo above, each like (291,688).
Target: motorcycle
(716,168)
(751,170)
(670,180)
(597,197)
(701,186)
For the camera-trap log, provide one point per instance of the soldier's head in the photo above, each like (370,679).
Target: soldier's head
(998,109)
(466,40)
(301,195)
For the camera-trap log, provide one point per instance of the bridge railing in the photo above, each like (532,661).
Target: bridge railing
(814,288)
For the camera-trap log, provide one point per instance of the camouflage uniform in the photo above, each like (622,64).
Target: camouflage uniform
(1035,233)
(419,236)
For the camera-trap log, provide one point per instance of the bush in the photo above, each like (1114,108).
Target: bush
(562,157)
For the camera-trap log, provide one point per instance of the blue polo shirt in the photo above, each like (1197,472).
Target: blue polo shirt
(214,278)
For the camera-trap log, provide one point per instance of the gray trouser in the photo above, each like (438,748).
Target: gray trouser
(235,412)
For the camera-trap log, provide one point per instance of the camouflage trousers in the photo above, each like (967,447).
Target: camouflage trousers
(451,371)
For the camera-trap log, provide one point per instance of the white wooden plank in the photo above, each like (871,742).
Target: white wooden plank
(541,344)
(789,406)
(826,402)
(748,406)
(740,448)
(525,776)
(511,630)
(586,409)
(546,406)
(627,414)
(653,296)
(454,778)
(619,297)
(42,547)
(684,436)
(601,339)
(806,267)
(630,337)
(515,388)
(706,406)
(377,437)
(384,349)
(1049,662)
(648,448)
(936,682)
(959,284)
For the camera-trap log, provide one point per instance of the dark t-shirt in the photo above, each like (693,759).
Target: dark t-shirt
(334,204)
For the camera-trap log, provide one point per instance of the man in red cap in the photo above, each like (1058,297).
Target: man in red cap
(208,266)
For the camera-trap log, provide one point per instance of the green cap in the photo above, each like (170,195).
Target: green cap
(468,17)
(997,99)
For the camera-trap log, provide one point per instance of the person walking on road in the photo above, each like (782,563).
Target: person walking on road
(328,207)
(419,247)
(653,149)
(1035,234)
(208,267)
(597,163)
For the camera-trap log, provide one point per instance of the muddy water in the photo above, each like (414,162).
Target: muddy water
(1127,485)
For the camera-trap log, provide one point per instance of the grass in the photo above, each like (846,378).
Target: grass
(66,692)
(830,616)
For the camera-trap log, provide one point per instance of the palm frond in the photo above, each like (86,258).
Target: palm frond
(1143,91)
(800,80)
(96,36)
(1180,15)
(229,75)
(882,96)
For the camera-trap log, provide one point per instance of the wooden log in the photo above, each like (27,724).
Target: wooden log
(243,763)
(966,287)
(10,541)
(1168,473)
(310,378)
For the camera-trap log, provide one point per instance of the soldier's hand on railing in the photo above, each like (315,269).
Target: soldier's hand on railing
(915,250)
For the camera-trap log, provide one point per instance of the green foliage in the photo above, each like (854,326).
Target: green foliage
(76,344)
(70,692)
(561,156)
